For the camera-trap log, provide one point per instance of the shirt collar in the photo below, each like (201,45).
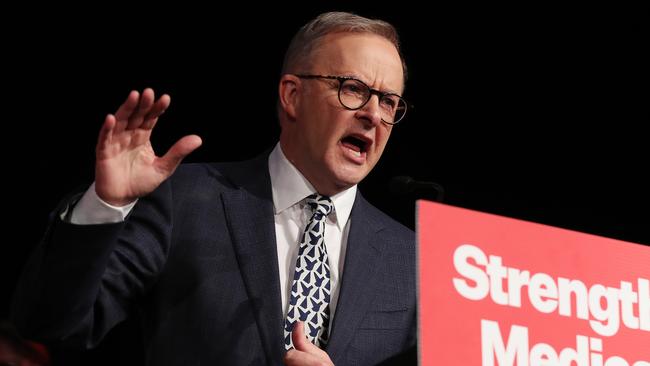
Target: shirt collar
(289,187)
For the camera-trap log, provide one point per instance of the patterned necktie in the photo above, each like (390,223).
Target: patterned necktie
(310,290)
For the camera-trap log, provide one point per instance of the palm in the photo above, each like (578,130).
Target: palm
(126,165)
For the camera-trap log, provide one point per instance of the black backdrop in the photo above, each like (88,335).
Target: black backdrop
(531,112)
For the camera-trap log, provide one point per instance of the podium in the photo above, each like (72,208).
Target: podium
(500,291)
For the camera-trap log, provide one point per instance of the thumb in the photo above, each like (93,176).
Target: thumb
(180,150)
(300,341)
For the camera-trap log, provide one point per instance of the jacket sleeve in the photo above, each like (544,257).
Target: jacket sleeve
(81,280)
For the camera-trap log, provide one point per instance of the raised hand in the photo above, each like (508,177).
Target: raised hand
(126,166)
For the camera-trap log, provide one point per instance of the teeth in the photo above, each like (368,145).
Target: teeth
(356,153)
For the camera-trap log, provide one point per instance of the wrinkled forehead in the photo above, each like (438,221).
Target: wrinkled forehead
(370,57)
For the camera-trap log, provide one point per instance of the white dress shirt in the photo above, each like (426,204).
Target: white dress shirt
(290,188)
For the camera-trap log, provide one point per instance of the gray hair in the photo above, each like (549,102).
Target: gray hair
(307,38)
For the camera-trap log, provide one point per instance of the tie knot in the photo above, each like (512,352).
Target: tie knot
(320,205)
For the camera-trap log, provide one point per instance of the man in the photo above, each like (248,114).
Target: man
(216,256)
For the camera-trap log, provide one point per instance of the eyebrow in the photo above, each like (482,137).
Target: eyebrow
(351,75)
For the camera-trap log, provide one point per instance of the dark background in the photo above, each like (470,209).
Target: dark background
(533,112)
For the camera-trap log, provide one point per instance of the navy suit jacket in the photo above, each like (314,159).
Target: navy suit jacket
(197,258)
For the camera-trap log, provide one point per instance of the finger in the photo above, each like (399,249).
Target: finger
(156,111)
(300,341)
(304,352)
(294,357)
(105,133)
(145,104)
(125,110)
(176,153)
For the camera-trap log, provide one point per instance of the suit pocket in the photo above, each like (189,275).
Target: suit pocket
(397,318)
(389,309)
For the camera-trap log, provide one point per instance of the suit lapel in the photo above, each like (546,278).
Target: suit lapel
(362,259)
(249,211)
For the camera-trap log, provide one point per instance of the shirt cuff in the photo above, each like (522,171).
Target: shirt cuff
(92,210)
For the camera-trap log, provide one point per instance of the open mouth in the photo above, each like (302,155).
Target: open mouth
(358,144)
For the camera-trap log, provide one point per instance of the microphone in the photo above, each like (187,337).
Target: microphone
(403,185)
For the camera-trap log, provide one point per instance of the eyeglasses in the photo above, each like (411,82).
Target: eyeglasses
(354,94)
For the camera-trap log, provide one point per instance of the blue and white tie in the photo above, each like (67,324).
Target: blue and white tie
(310,290)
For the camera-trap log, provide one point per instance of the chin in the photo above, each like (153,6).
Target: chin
(345,174)
(348,179)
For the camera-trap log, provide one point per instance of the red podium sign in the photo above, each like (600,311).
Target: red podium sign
(499,291)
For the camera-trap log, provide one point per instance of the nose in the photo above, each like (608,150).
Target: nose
(370,112)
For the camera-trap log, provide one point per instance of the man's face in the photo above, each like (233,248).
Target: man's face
(333,147)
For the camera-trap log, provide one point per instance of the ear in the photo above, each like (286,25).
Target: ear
(288,93)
